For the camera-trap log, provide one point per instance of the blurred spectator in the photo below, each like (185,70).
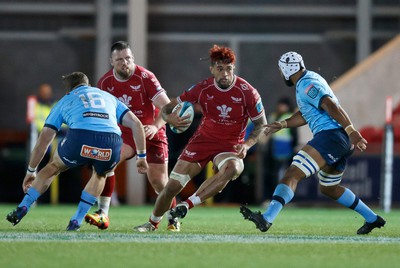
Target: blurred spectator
(280,147)
(42,103)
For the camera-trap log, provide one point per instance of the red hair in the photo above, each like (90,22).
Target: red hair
(222,54)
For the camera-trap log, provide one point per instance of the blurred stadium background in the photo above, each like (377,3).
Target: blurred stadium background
(354,44)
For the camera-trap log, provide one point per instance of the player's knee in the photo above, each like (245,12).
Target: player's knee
(303,161)
(175,177)
(232,167)
(329,184)
(326,179)
(292,176)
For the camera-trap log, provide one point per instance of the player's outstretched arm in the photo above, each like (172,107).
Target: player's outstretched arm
(296,120)
(253,138)
(340,115)
(46,137)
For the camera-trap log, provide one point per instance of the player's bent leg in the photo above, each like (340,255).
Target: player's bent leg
(88,198)
(158,178)
(329,185)
(99,218)
(162,205)
(229,169)
(305,163)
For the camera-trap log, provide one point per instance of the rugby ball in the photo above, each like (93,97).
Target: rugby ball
(184,108)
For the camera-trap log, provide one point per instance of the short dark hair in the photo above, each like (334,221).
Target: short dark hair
(119,45)
(74,80)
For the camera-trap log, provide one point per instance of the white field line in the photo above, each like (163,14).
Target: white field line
(190,238)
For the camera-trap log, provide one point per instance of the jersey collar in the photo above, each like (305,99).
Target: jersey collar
(225,89)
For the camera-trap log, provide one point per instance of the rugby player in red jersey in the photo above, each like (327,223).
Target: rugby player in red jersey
(141,91)
(227,102)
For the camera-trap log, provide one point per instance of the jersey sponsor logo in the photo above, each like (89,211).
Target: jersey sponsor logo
(136,88)
(110,89)
(126,100)
(312,92)
(210,97)
(244,86)
(96,153)
(98,115)
(236,100)
(145,75)
(334,159)
(189,153)
(224,111)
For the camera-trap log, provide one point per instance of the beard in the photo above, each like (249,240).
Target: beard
(224,85)
(288,83)
(124,74)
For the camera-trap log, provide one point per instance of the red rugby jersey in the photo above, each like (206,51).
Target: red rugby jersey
(225,111)
(138,93)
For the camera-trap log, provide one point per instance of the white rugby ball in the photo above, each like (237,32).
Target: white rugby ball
(185,108)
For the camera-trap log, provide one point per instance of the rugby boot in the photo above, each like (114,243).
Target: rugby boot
(179,211)
(368,227)
(147,227)
(16,215)
(174,225)
(255,217)
(99,219)
(73,226)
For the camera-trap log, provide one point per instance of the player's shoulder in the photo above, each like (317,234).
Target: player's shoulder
(311,77)
(143,73)
(106,78)
(205,83)
(243,85)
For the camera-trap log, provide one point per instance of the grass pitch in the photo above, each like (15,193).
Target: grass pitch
(210,237)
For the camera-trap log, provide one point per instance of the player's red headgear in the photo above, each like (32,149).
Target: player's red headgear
(222,54)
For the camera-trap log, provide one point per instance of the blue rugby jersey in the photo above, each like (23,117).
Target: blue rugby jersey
(88,108)
(311,88)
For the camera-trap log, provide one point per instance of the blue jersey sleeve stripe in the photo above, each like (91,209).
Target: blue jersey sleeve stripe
(320,100)
(51,126)
(122,116)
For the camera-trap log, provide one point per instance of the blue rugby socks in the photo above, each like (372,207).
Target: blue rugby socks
(30,197)
(350,200)
(282,195)
(87,201)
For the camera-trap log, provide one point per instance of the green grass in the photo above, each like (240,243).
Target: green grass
(210,237)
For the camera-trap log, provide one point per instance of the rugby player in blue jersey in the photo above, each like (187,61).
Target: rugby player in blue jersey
(93,138)
(335,139)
